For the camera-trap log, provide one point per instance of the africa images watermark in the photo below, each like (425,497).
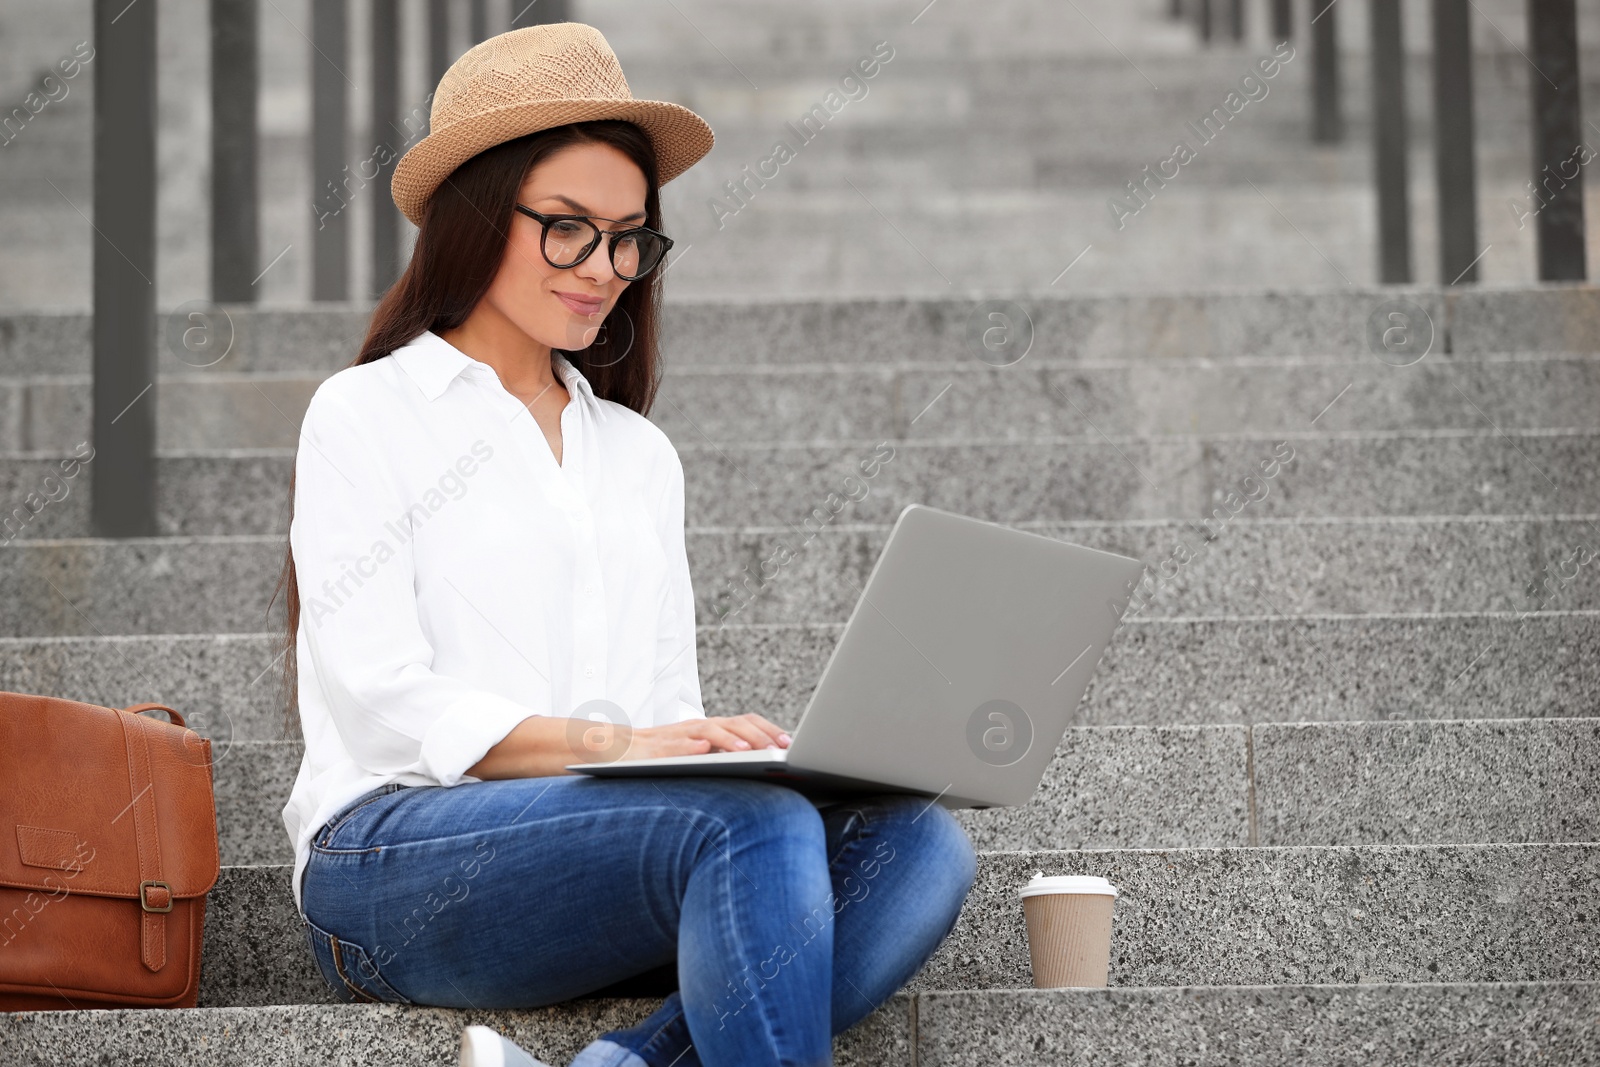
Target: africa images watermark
(747,587)
(813,924)
(1566,170)
(1251,88)
(1143,590)
(452,889)
(851,87)
(51,90)
(55,490)
(1554,578)
(451,485)
(13,925)
(382,155)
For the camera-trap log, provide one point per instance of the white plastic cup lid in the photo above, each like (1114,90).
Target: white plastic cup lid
(1068,883)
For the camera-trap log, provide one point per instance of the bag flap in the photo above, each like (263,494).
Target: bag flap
(67,795)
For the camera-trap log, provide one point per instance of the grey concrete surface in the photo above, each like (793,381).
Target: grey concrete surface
(1232,916)
(1132,787)
(1295,916)
(1139,326)
(1347,675)
(1107,787)
(366,1034)
(1427,782)
(1515,1024)
(1288,567)
(824,403)
(1156,672)
(1446,472)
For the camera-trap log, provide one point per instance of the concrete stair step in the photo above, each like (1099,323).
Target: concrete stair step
(1029,400)
(1157,672)
(935,130)
(1436,472)
(926,93)
(1200,234)
(843,32)
(1139,327)
(1517,1024)
(937,123)
(879,156)
(930,244)
(1305,915)
(928,99)
(1025,91)
(1432,782)
(933,103)
(1366,1025)
(1249,566)
(1225,916)
(375,1035)
(1006,29)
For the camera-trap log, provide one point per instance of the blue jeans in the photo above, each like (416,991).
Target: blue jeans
(790,919)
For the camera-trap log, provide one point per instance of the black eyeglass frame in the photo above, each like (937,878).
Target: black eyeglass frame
(545,221)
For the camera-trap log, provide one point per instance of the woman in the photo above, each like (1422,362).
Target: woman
(488,581)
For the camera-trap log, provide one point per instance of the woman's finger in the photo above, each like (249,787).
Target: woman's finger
(730,734)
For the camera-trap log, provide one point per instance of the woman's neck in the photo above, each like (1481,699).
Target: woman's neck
(525,366)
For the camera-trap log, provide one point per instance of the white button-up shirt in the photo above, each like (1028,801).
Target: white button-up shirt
(454,579)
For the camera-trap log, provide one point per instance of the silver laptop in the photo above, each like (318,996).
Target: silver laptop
(957,673)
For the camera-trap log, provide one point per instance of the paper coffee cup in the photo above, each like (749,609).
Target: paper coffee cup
(1069,929)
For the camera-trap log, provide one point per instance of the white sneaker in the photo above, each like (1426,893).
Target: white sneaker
(483,1047)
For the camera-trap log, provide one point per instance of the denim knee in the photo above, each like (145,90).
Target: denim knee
(938,840)
(771,809)
(949,838)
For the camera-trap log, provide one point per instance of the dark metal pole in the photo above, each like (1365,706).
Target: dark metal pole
(439,54)
(386,138)
(531,13)
(235,247)
(478,22)
(1557,134)
(1455,160)
(438,40)
(1282,20)
(1174,9)
(1202,19)
(123,480)
(1236,19)
(1389,142)
(330,241)
(1327,115)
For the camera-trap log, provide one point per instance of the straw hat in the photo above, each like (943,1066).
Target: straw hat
(532,79)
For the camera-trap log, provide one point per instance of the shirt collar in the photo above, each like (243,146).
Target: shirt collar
(433,363)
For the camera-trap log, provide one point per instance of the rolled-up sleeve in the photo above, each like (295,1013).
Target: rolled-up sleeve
(677,685)
(359,624)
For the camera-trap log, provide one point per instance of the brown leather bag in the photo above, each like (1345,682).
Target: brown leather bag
(109,846)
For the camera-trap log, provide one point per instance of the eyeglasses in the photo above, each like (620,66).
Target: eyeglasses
(567,240)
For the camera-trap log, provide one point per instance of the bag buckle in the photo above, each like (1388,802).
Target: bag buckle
(144,899)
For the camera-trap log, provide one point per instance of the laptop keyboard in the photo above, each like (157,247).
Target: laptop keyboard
(757,754)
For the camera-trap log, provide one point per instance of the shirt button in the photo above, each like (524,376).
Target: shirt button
(589,589)
(588,672)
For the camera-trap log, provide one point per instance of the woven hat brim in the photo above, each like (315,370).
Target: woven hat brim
(680,136)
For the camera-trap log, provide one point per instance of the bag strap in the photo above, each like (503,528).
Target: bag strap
(155,895)
(135,709)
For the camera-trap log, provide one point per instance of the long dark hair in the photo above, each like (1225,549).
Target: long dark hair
(458,250)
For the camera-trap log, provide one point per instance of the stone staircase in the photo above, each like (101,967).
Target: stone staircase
(981,158)
(1341,765)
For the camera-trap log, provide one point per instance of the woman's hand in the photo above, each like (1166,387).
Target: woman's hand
(692,737)
(544,744)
